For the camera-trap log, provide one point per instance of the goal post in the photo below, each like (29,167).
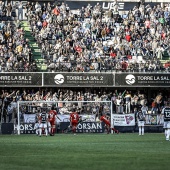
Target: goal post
(87,109)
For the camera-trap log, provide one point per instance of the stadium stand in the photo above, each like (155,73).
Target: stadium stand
(90,39)
(138,98)
(96,40)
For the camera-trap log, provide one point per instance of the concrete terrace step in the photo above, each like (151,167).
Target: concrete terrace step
(34,46)
(164,61)
(37,50)
(39,60)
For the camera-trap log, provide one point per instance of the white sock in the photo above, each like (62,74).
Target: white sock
(139,130)
(46,131)
(49,129)
(40,131)
(142,130)
(37,131)
(168,134)
(165,132)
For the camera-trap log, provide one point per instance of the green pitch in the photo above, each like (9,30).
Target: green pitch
(85,152)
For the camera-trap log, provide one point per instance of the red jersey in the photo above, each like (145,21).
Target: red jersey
(74,117)
(52,115)
(105,120)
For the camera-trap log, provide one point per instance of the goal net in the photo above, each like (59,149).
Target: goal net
(89,111)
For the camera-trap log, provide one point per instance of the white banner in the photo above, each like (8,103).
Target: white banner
(29,118)
(66,118)
(124,120)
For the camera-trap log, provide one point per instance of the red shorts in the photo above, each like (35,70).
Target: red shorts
(52,123)
(74,123)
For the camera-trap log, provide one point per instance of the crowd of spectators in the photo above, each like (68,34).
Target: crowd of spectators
(91,39)
(15,52)
(124,102)
(87,39)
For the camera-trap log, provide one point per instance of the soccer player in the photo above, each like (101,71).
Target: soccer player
(141,121)
(166,113)
(36,126)
(43,119)
(104,118)
(74,119)
(52,115)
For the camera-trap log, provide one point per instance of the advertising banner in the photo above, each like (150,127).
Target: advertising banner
(30,118)
(85,127)
(106,5)
(142,79)
(78,79)
(84,79)
(25,128)
(124,120)
(20,79)
(66,118)
(90,127)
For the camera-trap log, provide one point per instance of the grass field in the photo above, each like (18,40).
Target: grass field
(85,152)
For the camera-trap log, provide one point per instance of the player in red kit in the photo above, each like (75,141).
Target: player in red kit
(106,120)
(74,119)
(52,115)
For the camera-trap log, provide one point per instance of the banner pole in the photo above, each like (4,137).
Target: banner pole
(111,112)
(18,126)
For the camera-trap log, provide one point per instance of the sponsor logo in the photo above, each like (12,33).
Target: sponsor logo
(130,79)
(27,128)
(129,119)
(111,5)
(15,78)
(90,127)
(59,79)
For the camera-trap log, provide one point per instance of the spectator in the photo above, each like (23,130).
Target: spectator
(119,104)
(144,110)
(9,9)
(20,11)
(128,102)
(154,107)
